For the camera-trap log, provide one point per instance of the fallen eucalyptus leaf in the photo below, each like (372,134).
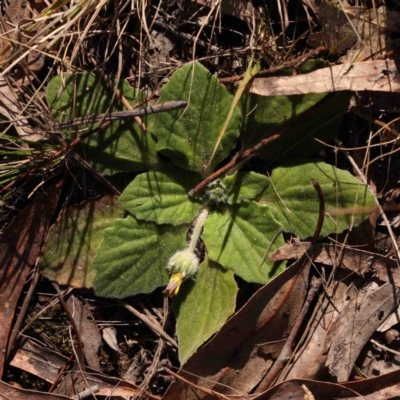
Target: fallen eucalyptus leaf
(376,75)
(355,327)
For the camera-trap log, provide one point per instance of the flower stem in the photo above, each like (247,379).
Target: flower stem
(198,226)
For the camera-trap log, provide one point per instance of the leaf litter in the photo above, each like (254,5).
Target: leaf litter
(342,345)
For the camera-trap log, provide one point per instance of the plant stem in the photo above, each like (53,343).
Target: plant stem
(198,226)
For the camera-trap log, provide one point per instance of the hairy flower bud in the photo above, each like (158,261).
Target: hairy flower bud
(182,265)
(184,261)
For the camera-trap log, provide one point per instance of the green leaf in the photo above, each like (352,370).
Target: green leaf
(133,256)
(294,202)
(73,239)
(265,116)
(189,136)
(120,147)
(161,196)
(203,306)
(239,239)
(244,185)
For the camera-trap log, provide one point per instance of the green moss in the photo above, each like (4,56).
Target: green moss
(25,380)
(53,325)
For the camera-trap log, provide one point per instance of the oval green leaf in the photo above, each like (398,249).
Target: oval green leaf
(188,136)
(133,256)
(203,306)
(161,196)
(294,202)
(241,238)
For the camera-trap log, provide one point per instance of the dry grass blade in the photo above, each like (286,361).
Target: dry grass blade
(254,69)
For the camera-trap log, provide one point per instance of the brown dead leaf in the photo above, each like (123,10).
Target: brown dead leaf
(309,362)
(359,32)
(19,12)
(358,261)
(347,318)
(238,357)
(87,329)
(379,388)
(11,109)
(358,321)
(337,34)
(16,11)
(19,248)
(293,390)
(376,28)
(368,75)
(45,364)
(241,9)
(110,337)
(38,361)
(8,392)
(392,320)
(375,361)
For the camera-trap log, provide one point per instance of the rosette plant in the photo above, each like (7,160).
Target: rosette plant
(195,245)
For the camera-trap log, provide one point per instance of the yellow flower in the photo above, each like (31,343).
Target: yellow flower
(174,284)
